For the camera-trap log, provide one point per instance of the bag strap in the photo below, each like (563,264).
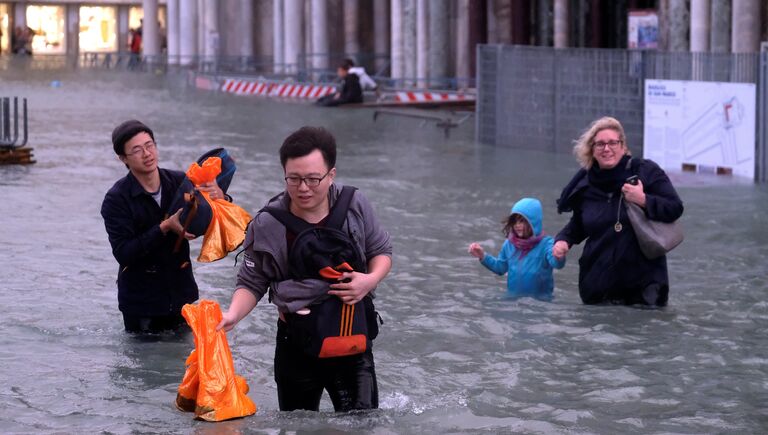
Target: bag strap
(338,213)
(336,216)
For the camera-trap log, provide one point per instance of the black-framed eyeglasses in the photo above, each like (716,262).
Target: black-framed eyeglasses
(296,181)
(140,149)
(610,143)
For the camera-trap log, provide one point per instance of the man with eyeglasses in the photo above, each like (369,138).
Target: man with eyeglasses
(308,157)
(153,281)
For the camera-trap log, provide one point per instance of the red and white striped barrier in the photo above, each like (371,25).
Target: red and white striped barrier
(275,89)
(425,96)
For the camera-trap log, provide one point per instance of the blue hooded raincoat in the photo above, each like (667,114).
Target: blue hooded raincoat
(531,275)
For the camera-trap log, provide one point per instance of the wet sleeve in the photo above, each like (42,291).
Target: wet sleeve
(128,246)
(254,273)
(661,200)
(498,265)
(377,240)
(573,231)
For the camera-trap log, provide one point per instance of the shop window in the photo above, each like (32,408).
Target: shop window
(47,23)
(98,28)
(5,31)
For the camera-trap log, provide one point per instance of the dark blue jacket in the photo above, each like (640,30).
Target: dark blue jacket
(612,268)
(152,280)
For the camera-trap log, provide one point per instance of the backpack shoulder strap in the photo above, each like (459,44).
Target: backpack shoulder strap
(292,223)
(338,213)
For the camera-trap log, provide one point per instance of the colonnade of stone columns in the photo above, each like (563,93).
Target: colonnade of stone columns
(417,42)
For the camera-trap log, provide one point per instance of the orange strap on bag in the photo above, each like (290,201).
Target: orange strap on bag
(210,387)
(229,221)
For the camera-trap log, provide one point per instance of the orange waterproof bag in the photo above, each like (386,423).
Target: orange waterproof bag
(227,228)
(210,387)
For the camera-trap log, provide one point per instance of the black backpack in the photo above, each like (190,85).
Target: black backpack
(332,328)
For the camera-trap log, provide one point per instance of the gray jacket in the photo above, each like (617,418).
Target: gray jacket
(265,265)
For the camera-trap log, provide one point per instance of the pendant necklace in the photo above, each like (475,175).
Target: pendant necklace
(617,226)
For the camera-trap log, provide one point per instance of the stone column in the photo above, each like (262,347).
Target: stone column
(397,65)
(699,26)
(122,28)
(72,30)
(439,44)
(464,44)
(544,25)
(173,31)
(381,34)
(187,32)
(503,13)
(294,33)
(320,45)
(150,37)
(279,41)
(211,30)
(200,28)
(490,20)
(246,27)
(478,31)
(720,36)
(410,56)
(351,26)
(699,37)
(422,42)
(520,22)
(264,35)
(677,20)
(561,18)
(19,15)
(745,31)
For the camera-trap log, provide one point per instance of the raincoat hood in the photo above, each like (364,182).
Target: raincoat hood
(530,209)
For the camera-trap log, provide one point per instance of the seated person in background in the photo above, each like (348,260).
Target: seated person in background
(366,82)
(350,91)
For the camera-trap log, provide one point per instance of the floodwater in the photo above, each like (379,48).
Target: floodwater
(454,355)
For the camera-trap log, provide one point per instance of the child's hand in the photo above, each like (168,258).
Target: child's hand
(560,249)
(477,251)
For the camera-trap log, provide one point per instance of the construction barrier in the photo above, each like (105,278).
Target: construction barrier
(266,88)
(427,96)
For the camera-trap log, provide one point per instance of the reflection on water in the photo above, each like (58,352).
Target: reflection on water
(454,354)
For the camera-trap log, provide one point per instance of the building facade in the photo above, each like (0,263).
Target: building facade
(417,42)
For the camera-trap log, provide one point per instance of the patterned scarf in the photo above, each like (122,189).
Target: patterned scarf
(524,246)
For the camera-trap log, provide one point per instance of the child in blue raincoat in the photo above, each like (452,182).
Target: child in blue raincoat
(526,256)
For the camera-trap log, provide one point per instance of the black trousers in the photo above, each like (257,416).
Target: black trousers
(155,324)
(301,379)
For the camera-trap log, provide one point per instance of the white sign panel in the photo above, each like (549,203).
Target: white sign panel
(700,125)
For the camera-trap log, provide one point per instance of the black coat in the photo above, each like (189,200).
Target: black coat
(152,280)
(612,268)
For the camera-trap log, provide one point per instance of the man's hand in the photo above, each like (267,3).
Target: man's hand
(228,321)
(173,223)
(355,288)
(212,189)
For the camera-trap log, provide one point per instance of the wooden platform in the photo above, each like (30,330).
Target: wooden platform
(16,156)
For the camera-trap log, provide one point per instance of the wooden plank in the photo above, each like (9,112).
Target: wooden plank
(16,156)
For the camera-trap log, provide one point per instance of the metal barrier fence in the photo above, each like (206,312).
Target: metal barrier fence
(543,98)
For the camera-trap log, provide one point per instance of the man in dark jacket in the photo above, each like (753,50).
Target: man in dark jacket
(350,91)
(153,281)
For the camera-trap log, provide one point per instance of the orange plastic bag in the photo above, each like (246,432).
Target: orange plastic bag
(227,228)
(210,387)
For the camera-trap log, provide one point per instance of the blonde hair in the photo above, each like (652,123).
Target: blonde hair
(583,145)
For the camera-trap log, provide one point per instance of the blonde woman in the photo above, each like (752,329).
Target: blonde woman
(612,269)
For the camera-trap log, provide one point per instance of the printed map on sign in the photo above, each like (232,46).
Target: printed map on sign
(701,125)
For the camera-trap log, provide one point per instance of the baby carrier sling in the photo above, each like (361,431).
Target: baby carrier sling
(332,328)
